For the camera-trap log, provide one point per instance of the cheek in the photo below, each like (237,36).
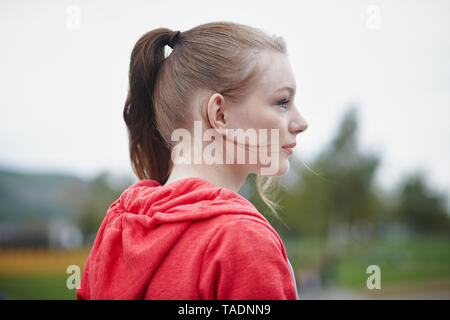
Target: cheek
(260,117)
(265,118)
(255,114)
(270,120)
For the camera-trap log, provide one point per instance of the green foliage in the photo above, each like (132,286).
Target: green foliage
(93,209)
(338,190)
(32,287)
(410,260)
(421,209)
(38,198)
(334,204)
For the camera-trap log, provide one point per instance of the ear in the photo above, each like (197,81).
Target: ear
(217,111)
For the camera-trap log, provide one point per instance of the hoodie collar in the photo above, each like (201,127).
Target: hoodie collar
(185,199)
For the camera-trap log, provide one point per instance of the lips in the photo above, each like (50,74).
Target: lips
(289,147)
(292,145)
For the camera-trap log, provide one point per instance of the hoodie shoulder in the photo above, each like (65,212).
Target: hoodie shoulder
(245,259)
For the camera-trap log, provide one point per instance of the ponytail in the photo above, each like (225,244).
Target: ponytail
(149,154)
(216,56)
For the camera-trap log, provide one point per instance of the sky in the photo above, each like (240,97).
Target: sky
(64,77)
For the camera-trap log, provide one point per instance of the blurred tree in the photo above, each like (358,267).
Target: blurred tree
(93,210)
(421,209)
(336,199)
(341,194)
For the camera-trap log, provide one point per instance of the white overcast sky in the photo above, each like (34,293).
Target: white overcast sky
(63,88)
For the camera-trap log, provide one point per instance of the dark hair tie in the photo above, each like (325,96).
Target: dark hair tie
(173,38)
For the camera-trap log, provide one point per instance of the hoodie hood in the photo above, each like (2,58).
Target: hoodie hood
(143,224)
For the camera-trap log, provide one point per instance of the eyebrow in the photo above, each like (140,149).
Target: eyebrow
(291,90)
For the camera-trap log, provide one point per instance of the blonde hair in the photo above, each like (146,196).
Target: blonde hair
(217,56)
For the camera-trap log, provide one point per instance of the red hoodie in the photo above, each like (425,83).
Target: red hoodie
(188,240)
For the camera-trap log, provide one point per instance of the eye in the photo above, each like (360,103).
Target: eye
(283,102)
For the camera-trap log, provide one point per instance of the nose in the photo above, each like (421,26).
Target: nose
(298,124)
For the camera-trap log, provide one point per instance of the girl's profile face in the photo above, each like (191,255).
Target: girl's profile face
(271,106)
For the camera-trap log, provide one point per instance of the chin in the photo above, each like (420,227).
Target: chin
(284,168)
(275,170)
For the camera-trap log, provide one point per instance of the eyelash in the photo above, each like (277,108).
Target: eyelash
(284,101)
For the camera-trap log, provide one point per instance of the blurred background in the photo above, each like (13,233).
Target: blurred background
(369,182)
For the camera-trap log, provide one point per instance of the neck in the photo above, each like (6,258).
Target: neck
(224,176)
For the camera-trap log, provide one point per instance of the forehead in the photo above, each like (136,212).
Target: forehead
(276,72)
